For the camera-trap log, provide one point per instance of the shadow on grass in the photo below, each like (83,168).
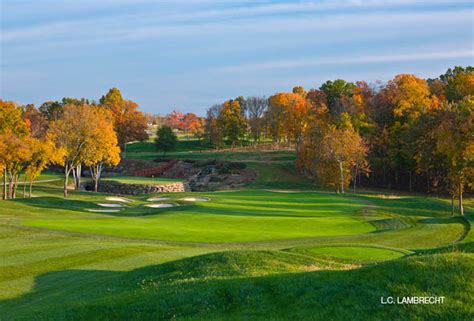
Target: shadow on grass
(58,203)
(229,285)
(49,202)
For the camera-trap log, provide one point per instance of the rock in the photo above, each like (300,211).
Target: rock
(137,189)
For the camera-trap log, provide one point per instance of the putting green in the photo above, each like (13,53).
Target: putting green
(357,253)
(231,217)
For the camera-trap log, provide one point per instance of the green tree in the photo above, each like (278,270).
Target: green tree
(166,139)
(336,90)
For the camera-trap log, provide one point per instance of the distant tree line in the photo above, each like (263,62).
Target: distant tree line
(409,133)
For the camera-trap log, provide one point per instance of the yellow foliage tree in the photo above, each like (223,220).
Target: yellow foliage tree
(43,154)
(14,147)
(410,96)
(72,133)
(295,114)
(103,150)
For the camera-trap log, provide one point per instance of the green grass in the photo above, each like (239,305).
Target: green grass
(276,250)
(243,216)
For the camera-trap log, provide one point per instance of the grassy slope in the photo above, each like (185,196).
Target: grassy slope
(119,271)
(252,286)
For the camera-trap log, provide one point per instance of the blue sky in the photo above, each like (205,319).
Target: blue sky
(190,54)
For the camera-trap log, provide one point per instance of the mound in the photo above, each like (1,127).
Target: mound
(230,286)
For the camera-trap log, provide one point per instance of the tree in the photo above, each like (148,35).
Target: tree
(52,110)
(113,97)
(192,124)
(274,117)
(72,133)
(295,113)
(460,85)
(129,123)
(37,123)
(104,149)
(256,107)
(336,90)
(14,136)
(454,137)
(43,154)
(15,160)
(300,91)
(330,150)
(175,120)
(410,96)
(213,128)
(232,121)
(166,139)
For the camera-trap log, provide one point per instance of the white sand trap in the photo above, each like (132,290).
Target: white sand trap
(160,205)
(118,199)
(196,199)
(157,199)
(103,211)
(109,205)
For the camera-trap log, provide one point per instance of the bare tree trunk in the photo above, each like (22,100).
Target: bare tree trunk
(31,188)
(79,176)
(16,178)
(5,196)
(342,177)
(124,154)
(96,172)
(461,208)
(66,177)
(24,187)
(10,185)
(74,176)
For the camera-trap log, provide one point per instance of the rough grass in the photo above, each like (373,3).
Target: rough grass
(252,286)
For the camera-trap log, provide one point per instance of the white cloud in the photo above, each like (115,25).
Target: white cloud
(354,59)
(136,27)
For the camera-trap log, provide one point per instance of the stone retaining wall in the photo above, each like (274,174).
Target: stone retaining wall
(137,189)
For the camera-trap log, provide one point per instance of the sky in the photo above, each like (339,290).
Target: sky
(191,54)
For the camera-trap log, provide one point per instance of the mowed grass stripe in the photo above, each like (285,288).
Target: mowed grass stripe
(211,228)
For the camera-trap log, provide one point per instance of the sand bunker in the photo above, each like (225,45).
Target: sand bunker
(196,199)
(109,205)
(160,205)
(390,197)
(118,199)
(103,211)
(157,199)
